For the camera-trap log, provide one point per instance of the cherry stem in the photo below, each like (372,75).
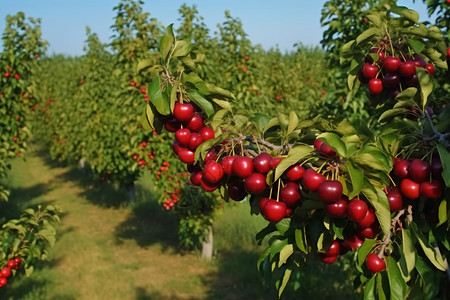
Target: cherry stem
(387,239)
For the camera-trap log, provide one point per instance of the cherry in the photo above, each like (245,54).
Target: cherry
(262,203)
(430,69)
(401,167)
(419,61)
(172,125)
(11,263)
(436,168)
(182,136)
(290,194)
(391,80)
(183,111)
(369,70)
(274,211)
(195,140)
(391,64)
(337,209)
(357,210)
(369,232)
(407,69)
(5,272)
(352,242)
(328,259)
(207,133)
(410,189)
(3,281)
(17,260)
(255,183)
(375,264)
(327,150)
(330,191)
(196,178)
(334,249)
(274,162)
(208,186)
(419,170)
(448,49)
(294,172)
(227,163)
(317,144)
(363,79)
(213,171)
(375,86)
(195,123)
(242,166)
(236,190)
(311,180)
(412,82)
(261,163)
(210,155)
(432,190)
(395,200)
(187,156)
(368,219)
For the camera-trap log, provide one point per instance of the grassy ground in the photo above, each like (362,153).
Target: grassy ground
(106,250)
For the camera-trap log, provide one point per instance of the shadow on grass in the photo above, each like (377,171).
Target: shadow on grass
(143,294)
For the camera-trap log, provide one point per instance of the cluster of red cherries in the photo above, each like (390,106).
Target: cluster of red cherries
(172,199)
(392,73)
(6,271)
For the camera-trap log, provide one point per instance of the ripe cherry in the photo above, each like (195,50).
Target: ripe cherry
(375,86)
(274,162)
(419,170)
(213,171)
(391,80)
(172,125)
(369,70)
(375,264)
(195,140)
(430,69)
(407,69)
(328,259)
(352,242)
(182,136)
(11,263)
(290,194)
(255,183)
(334,249)
(410,189)
(208,186)
(187,156)
(368,219)
(261,163)
(330,191)
(3,281)
(436,168)
(274,211)
(432,190)
(401,167)
(196,178)
(294,172)
(227,163)
(207,133)
(337,209)
(391,64)
(395,199)
(262,203)
(183,111)
(236,190)
(311,180)
(210,155)
(369,232)
(195,123)
(242,166)
(357,210)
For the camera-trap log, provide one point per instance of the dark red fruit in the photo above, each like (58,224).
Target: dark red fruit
(183,111)
(208,186)
(195,140)
(395,199)
(207,133)
(334,249)
(337,209)
(255,183)
(391,80)
(236,190)
(412,82)
(3,281)
(436,168)
(242,166)
(330,191)
(357,210)
(401,167)
(352,242)
(294,172)
(327,150)
(213,171)
(172,125)
(419,61)
(375,86)
(274,162)
(182,136)
(5,272)
(369,70)
(261,163)
(419,170)
(328,259)
(262,203)
(11,263)
(290,194)
(195,123)
(432,190)
(410,189)
(407,69)
(369,232)
(375,264)
(187,156)
(227,163)
(430,69)
(176,147)
(391,64)
(274,211)
(196,178)
(368,219)
(311,180)
(211,155)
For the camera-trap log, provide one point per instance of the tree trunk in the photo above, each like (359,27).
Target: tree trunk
(207,245)
(131,192)
(82,164)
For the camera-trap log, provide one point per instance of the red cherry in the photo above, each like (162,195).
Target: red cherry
(328,259)
(207,133)
(195,123)
(274,162)
(183,111)
(412,82)
(419,61)
(227,163)
(176,147)
(210,155)
(317,144)
(196,178)
(208,186)
(311,180)
(5,272)
(363,79)
(290,194)
(255,183)
(262,203)
(430,68)
(375,86)
(407,69)
(261,163)
(195,140)
(395,199)
(419,170)
(327,150)
(432,190)
(352,242)
(401,167)
(242,166)
(11,263)
(236,190)
(182,136)
(3,281)
(391,80)
(334,249)
(410,189)
(172,125)
(294,172)
(369,70)
(357,210)
(187,156)
(213,171)
(274,211)
(375,264)
(368,219)
(369,232)
(337,209)
(391,64)
(17,260)
(448,49)
(436,168)
(330,191)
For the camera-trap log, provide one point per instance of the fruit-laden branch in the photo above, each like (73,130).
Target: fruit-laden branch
(443,139)
(394,222)
(266,144)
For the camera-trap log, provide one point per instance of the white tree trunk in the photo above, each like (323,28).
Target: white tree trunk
(207,245)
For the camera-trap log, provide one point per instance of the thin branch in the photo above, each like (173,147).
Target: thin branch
(387,239)
(442,138)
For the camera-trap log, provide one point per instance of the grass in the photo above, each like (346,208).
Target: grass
(107,250)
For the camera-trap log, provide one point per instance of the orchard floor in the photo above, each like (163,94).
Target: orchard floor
(108,250)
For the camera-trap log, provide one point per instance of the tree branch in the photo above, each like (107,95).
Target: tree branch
(387,239)
(442,138)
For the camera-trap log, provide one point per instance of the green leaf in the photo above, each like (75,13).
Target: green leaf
(408,250)
(166,42)
(284,281)
(390,113)
(417,45)
(429,251)
(301,240)
(367,34)
(445,160)
(202,102)
(273,122)
(369,289)
(276,247)
(157,97)
(407,13)
(216,90)
(143,64)
(285,253)
(364,250)
(379,201)
(335,142)
(443,216)
(223,104)
(293,122)
(396,282)
(283,225)
(356,177)
(181,48)
(430,279)
(294,155)
(426,85)
(196,81)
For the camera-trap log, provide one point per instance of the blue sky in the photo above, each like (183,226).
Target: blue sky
(269,23)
